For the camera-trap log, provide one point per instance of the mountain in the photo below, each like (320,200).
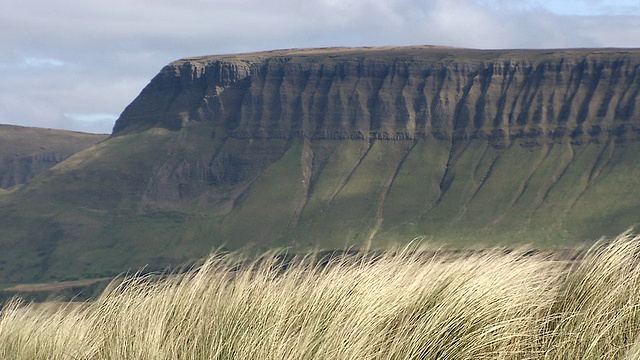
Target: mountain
(342,147)
(25,152)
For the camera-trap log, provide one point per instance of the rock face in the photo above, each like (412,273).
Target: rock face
(27,152)
(334,148)
(400,94)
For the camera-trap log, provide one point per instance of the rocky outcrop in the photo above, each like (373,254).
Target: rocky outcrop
(27,152)
(400,93)
(334,148)
(541,100)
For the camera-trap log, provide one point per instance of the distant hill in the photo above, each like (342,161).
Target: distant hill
(342,147)
(26,152)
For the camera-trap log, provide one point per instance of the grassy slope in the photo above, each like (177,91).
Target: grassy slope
(26,152)
(552,195)
(21,141)
(68,220)
(268,206)
(95,214)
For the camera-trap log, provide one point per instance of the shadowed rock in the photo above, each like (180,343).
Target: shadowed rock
(341,147)
(27,152)
(399,93)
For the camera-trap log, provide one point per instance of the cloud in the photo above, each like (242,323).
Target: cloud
(30,62)
(591,7)
(90,121)
(88,57)
(90,117)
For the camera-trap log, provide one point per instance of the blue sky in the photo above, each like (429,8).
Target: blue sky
(72,64)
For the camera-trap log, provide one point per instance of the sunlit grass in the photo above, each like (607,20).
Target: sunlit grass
(396,305)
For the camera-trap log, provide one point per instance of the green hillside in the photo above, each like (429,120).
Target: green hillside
(319,149)
(88,218)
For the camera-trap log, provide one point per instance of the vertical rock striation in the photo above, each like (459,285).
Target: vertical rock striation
(400,140)
(400,94)
(334,148)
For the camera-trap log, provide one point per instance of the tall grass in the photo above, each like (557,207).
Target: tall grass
(402,305)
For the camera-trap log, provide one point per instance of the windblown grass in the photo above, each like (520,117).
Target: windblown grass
(403,305)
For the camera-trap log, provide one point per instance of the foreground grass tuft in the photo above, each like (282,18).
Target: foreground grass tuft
(396,305)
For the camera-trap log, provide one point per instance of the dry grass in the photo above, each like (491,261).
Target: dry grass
(392,306)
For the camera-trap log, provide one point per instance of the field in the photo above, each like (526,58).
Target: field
(403,304)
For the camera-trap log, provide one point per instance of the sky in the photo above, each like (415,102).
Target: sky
(76,64)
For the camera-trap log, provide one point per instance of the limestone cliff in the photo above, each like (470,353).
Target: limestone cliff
(27,152)
(342,147)
(399,94)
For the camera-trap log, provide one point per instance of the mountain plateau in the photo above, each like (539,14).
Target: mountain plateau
(339,147)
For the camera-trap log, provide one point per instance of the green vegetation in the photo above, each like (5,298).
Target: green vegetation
(165,198)
(331,149)
(26,152)
(392,305)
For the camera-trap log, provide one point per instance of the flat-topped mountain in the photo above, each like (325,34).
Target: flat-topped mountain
(400,93)
(26,152)
(342,147)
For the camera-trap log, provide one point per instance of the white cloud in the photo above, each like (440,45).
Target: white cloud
(92,122)
(34,62)
(94,57)
(592,7)
(90,117)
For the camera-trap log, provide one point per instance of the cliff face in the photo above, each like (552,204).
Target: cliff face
(400,94)
(333,148)
(28,152)
(429,139)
